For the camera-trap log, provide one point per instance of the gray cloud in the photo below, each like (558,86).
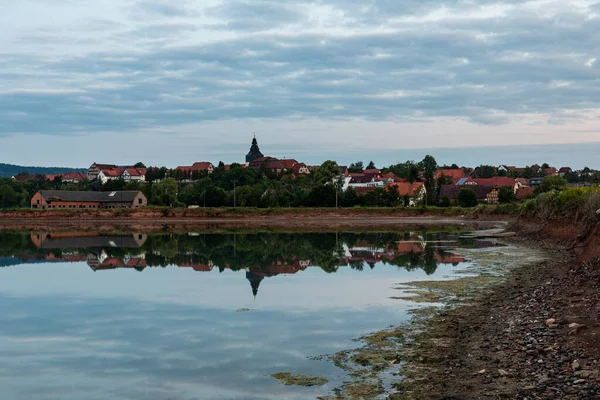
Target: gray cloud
(381,60)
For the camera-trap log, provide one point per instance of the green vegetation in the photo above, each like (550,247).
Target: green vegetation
(466,198)
(289,379)
(577,204)
(506,195)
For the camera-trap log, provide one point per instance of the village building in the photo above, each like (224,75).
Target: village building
(95,168)
(73,177)
(451,175)
(65,199)
(485,193)
(254,152)
(203,166)
(415,191)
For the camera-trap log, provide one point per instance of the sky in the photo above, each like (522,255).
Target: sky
(170,83)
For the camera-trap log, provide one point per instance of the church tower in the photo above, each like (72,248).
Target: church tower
(254,152)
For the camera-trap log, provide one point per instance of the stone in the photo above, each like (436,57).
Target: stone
(550,322)
(482,372)
(575,366)
(502,372)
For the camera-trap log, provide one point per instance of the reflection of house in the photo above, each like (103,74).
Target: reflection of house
(45,199)
(449,258)
(87,241)
(104,262)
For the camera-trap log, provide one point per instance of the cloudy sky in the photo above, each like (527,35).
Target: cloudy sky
(172,82)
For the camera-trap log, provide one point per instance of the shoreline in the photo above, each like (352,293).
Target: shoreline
(535,335)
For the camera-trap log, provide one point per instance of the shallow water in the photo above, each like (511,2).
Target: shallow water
(201,316)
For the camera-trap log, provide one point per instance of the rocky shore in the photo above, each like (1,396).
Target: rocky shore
(535,336)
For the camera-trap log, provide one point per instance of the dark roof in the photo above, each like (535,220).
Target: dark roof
(452,190)
(100,197)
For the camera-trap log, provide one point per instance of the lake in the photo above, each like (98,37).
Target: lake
(203,315)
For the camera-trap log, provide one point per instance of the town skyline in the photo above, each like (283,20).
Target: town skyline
(575,155)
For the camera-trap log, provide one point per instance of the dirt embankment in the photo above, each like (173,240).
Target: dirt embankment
(153,219)
(536,336)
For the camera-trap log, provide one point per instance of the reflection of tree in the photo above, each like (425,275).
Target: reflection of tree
(265,251)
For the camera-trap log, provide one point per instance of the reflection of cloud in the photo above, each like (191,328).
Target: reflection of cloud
(186,358)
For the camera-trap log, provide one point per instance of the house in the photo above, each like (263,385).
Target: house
(132,174)
(524,192)
(94,170)
(453,175)
(344,170)
(536,181)
(499,181)
(484,193)
(415,191)
(507,168)
(564,170)
(550,171)
(73,177)
(270,163)
(109,174)
(372,171)
(51,199)
(362,180)
(391,177)
(300,169)
(196,167)
(522,182)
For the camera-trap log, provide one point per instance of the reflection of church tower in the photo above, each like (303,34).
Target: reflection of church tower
(254,152)
(254,280)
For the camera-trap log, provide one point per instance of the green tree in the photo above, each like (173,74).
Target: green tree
(466,198)
(139,165)
(371,165)
(326,172)
(164,193)
(445,202)
(553,182)
(356,167)
(9,197)
(506,195)
(485,171)
(429,166)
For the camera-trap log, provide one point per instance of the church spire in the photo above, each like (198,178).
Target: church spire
(254,280)
(254,152)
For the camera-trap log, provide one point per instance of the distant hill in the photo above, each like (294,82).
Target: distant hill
(9,170)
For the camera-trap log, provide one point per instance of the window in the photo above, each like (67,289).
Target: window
(139,201)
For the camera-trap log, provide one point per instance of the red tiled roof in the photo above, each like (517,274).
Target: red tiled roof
(136,171)
(74,176)
(455,174)
(407,188)
(374,171)
(565,169)
(524,192)
(113,172)
(499,181)
(550,171)
(201,166)
(288,164)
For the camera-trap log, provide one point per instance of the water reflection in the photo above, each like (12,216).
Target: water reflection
(261,255)
(135,316)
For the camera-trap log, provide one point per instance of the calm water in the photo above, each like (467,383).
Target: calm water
(199,316)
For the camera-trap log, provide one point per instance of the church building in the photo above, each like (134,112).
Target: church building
(254,152)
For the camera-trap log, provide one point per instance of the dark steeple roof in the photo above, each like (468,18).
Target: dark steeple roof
(254,152)
(254,280)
